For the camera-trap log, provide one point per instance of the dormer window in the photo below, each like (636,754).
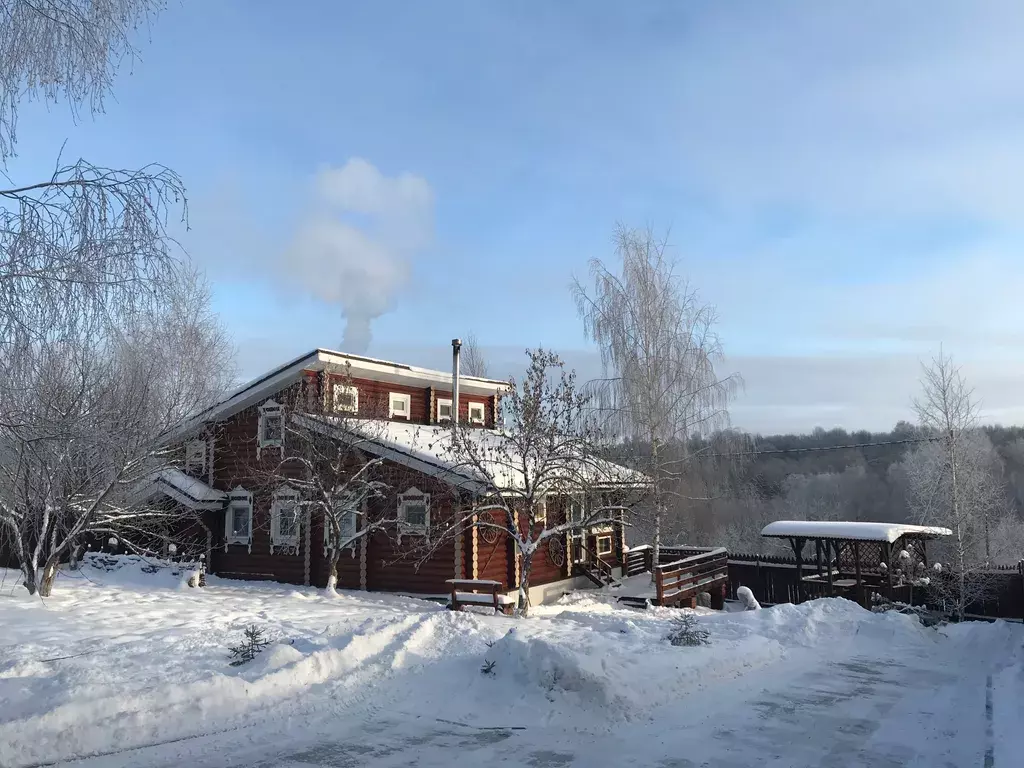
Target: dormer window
(444,409)
(271,427)
(346,398)
(195,458)
(398,405)
(476,413)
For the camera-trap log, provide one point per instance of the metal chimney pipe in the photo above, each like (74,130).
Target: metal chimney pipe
(456,347)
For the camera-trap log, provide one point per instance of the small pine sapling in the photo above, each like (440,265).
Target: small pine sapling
(254,642)
(686,631)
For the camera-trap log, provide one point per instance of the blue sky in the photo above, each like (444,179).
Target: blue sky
(844,181)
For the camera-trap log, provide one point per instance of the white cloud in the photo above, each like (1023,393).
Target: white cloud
(355,244)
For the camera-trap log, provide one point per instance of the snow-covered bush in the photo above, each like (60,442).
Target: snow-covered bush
(925,615)
(686,630)
(745,596)
(255,640)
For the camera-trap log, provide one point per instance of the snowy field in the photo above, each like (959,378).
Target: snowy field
(126,668)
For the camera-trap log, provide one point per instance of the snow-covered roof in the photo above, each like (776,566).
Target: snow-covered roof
(277,379)
(193,493)
(836,529)
(427,448)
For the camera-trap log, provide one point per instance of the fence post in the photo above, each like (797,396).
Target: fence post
(659,586)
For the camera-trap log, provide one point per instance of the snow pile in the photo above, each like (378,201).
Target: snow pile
(585,679)
(131,571)
(113,661)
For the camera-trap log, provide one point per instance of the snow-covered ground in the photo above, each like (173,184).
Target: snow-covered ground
(131,669)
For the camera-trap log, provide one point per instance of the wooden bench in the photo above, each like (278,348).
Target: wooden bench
(479,592)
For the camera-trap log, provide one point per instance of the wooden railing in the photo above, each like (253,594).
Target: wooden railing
(641,559)
(638,560)
(597,570)
(681,580)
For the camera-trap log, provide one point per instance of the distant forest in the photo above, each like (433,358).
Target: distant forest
(726,500)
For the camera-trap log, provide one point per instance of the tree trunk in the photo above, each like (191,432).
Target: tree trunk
(30,578)
(656,543)
(332,571)
(49,576)
(524,585)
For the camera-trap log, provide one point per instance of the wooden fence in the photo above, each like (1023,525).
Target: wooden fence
(772,579)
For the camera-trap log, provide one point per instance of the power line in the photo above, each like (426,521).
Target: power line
(854,446)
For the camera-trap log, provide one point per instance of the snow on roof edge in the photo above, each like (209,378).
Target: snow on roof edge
(296,366)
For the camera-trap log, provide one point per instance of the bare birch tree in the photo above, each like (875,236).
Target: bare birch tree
(88,237)
(547,449)
(953,482)
(473,361)
(85,416)
(662,381)
(63,49)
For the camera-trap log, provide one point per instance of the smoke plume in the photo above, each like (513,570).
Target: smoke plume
(355,246)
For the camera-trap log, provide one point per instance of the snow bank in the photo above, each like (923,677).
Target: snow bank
(121,656)
(130,571)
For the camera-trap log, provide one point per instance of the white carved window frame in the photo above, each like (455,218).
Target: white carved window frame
(239,500)
(540,510)
(413,497)
(348,522)
(195,457)
(270,411)
(443,402)
(604,539)
(339,392)
(404,399)
(285,499)
(477,413)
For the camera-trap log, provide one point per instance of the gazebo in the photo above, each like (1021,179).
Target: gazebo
(854,559)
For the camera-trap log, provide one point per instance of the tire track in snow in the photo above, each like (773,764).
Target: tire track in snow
(374,653)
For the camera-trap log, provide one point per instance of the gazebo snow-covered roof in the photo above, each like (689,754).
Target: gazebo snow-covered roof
(883,558)
(850,531)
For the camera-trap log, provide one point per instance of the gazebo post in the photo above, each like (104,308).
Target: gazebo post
(887,554)
(856,568)
(817,554)
(828,557)
(798,547)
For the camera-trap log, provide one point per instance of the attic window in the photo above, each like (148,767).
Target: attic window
(398,407)
(444,409)
(476,413)
(271,426)
(414,512)
(195,458)
(346,398)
